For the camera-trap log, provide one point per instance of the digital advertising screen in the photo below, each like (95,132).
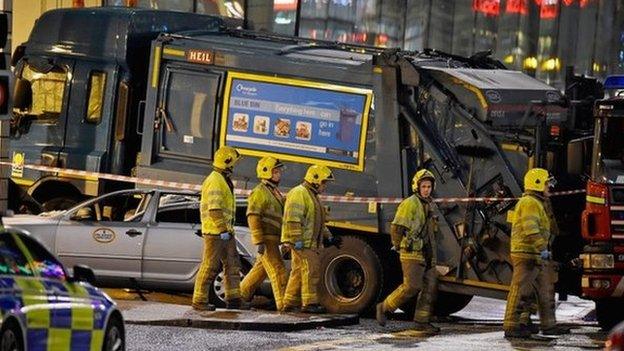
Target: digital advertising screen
(301,121)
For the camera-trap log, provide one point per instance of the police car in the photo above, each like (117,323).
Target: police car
(42,307)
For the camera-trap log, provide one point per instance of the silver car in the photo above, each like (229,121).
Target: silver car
(146,239)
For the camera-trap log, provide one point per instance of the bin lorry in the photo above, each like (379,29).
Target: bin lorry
(118,98)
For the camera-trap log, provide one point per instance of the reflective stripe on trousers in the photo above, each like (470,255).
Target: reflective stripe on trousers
(530,277)
(304,279)
(218,253)
(269,263)
(413,275)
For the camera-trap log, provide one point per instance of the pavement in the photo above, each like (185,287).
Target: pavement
(477,327)
(176,315)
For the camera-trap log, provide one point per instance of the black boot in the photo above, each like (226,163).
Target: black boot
(556,330)
(314,308)
(381,314)
(532,327)
(237,304)
(291,309)
(203,306)
(521,332)
(427,328)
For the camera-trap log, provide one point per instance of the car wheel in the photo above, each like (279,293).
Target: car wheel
(11,337)
(217,290)
(114,339)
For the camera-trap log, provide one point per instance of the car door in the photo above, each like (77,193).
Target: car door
(75,319)
(22,280)
(173,250)
(106,234)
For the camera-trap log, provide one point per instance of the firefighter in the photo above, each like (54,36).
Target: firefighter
(304,231)
(550,266)
(264,215)
(217,211)
(413,232)
(530,253)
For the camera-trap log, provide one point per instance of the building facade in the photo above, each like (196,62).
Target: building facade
(539,37)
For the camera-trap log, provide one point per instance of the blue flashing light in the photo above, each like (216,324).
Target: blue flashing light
(614,82)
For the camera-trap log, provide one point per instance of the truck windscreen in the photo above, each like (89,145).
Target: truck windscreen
(608,162)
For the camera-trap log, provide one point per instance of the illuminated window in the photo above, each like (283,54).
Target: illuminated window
(46,93)
(97,82)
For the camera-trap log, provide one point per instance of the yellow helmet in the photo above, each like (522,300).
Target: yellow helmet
(536,179)
(420,176)
(266,165)
(226,157)
(317,174)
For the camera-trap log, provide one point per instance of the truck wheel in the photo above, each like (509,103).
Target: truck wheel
(448,303)
(609,312)
(60,203)
(352,276)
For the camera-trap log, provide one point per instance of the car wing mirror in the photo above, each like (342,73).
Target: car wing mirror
(83,273)
(22,94)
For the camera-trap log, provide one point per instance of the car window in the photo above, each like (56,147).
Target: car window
(125,207)
(12,259)
(178,215)
(46,265)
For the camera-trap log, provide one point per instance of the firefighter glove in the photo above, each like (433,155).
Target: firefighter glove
(298,245)
(545,255)
(333,241)
(225,236)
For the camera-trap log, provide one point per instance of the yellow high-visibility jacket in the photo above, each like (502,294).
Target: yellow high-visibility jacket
(411,215)
(530,229)
(267,203)
(217,195)
(304,218)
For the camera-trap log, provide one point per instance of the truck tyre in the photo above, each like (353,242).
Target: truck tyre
(448,303)
(351,279)
(60,203)
(609,312)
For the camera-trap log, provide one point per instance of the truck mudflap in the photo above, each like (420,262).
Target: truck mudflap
(598,286)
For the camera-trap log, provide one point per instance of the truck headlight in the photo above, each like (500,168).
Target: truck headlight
(600,283)
(598,261)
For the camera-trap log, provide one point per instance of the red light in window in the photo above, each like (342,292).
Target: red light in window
(382,39)
(284,5)
(517,6)
(555,130)
(568,2)
(549,9)
(486,7)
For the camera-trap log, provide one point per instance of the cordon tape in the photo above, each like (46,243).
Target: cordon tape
(246,192)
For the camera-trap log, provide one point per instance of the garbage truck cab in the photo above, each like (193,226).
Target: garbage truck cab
(79,80)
